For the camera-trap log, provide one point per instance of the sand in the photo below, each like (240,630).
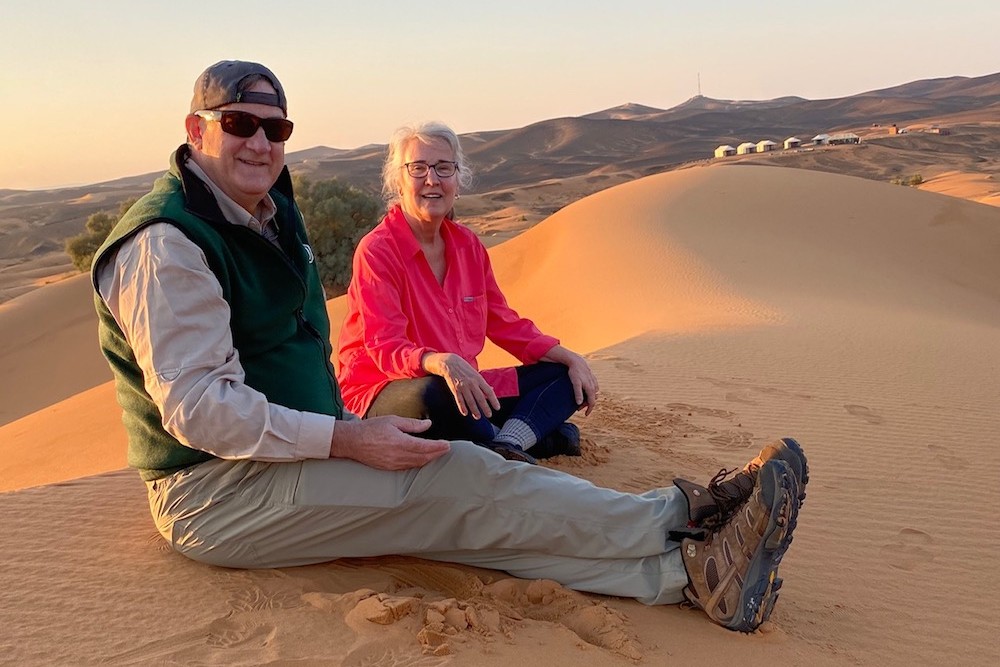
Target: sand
(721,307)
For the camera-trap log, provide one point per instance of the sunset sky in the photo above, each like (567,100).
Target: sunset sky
(94,91)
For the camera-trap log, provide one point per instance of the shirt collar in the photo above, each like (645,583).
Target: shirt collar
(233,212)
(407,242)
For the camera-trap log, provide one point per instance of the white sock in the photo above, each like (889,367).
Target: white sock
(517,432)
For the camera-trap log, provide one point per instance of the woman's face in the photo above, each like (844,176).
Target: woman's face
(430,198)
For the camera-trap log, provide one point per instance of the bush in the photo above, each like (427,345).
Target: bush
(912,181)
(337,216)
(81,248)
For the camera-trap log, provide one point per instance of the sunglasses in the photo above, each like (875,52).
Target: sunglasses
(244,125)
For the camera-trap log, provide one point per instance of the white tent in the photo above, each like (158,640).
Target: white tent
(725,151)
(821,139)
(792,142)
(845,138)
(765,146)
(746,147)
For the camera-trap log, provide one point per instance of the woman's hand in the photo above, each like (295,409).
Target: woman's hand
(585,387)
(471,391)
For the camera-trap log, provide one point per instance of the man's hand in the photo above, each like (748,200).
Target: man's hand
(385,442)
(472,392)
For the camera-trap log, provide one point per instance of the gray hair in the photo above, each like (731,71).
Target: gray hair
(392,169)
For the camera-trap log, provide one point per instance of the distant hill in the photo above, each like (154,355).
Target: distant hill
(641,140)
(630,111)
(592,152)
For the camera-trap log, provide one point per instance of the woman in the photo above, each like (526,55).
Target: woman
(423,300)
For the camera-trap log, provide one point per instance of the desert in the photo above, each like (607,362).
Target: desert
(723,303)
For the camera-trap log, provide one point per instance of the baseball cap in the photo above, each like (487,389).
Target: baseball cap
(225,83)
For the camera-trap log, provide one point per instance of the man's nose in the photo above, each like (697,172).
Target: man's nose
(259,141)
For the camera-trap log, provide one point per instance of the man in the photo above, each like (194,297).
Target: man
(213,320)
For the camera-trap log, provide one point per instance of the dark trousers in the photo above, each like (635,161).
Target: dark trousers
(544,401)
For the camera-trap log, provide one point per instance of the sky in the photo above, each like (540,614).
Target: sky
(93,91)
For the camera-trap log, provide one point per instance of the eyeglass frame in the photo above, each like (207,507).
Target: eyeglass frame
(217,115)
(420,163)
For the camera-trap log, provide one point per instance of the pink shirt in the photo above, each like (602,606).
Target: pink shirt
(397,312)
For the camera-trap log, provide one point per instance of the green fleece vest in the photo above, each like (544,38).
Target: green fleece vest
(277,317)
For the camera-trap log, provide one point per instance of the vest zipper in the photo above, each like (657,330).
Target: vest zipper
(300,315)
(314,332)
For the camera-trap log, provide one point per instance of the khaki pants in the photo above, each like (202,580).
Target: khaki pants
(470,506)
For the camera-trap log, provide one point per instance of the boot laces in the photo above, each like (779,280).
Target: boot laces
(731,494)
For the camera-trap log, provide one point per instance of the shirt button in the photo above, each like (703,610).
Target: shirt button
(451,310)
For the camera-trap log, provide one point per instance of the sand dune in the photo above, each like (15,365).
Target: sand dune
(721,307)
(50,349)
(982,188)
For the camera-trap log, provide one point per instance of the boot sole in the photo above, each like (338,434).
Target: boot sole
(801,476)
(760,590)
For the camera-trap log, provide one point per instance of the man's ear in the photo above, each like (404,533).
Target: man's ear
(194,130)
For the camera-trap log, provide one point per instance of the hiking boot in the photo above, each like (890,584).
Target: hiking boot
(729,494)
(564,441)
(733,569)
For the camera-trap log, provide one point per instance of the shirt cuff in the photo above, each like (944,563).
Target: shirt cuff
(416,361)
(538,348)
(315,436)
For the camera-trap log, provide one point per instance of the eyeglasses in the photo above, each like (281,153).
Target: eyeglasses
(443,169)
(245,125)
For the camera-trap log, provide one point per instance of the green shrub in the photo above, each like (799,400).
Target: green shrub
(912,181)
(81,248)
(337,216)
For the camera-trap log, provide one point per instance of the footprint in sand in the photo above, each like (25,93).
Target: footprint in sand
(621,363)
(742,396)
(945,455)
(731,440)
(544,600)
(864,413)
(910,550)
(258,599)
(231,633)
(629,366)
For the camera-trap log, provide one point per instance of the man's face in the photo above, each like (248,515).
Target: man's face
(245,169)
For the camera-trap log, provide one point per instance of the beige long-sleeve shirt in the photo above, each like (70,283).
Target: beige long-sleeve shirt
(169,304)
